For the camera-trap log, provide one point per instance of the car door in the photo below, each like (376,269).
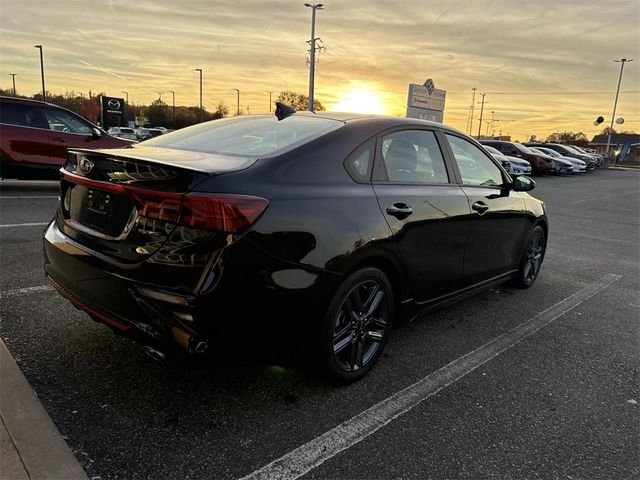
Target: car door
(424,209)
(498,214)
(24,136)
(67,130)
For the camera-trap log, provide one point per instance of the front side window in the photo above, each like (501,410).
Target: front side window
(62,121)
(247,136)
(413,156)
(475,167)
(21,115)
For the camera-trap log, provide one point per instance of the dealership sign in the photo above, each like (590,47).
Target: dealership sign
(112,111)
(426,101)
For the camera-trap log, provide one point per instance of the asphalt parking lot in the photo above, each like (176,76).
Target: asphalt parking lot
(542,383)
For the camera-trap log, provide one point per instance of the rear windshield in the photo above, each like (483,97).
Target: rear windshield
(258,135)
(521,147)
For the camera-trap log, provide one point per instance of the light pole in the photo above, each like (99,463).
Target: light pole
(173,104)
(268,91)
(127,104)
(201,110)
(13,75)
(481,111)
(473,109)
(238,96)
(622,61)
(44,92)
(312,50)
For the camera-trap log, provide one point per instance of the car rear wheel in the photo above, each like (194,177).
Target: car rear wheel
(357,325)
(531,259)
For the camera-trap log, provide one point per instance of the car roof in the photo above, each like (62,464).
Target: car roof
(384,121)
(27,100)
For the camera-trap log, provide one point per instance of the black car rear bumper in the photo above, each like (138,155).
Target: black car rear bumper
(251,312)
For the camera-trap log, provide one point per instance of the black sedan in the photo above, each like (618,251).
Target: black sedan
(278,235)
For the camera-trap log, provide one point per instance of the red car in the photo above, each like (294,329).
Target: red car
(34,137)
(539,163)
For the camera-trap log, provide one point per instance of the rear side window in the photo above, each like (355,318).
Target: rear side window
(22,115)
(413,156)
(360,163)
(62,121)
(247,136)
(474,165)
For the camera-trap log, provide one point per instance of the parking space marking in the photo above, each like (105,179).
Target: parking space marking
(314,453)
(15,225)
(3,197)
(605,197)
(25,291)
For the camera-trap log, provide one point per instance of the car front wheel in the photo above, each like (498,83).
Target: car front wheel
(357,325)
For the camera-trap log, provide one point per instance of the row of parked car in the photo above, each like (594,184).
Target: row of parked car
(138,134)
(541,158)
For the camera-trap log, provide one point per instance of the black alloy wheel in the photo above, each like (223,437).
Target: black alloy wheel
(532,258)
(357,325)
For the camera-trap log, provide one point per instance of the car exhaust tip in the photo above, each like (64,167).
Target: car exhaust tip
(157,355)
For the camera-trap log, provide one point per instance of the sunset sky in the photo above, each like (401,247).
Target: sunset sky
(545,65)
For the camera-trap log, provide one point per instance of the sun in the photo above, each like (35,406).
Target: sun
(359,101)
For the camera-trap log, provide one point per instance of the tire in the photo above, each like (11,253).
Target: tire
(532,258)
(356,326)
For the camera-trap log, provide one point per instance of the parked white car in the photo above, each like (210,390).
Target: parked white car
(123,132)
(578,165)
(517,166)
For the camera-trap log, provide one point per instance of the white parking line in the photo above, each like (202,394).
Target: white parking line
(3,197)
(25,291)
(34,224)
(605,197)
(310,455)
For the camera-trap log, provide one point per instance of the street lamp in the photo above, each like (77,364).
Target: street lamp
(312,50)
(201,110)
(622,61)
(481,112)
(127,94)
(44,94)
(238,111)
(173,95)
(268,91)
(13,75)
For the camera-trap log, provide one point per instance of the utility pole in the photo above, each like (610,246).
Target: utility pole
(473,109)
(238,101)
(270,92)
(201,110)
(44,92)
(481,111)
(173,103)
(615,102)
(489,122)
(312,50)
(13,75)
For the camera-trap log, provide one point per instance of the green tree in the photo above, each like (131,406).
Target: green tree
(158,114)
(566,137)
(299,101)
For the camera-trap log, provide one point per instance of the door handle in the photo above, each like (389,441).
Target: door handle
(399,210)
(59,139)
(480,207)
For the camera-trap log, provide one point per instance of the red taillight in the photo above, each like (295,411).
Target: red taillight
(154,204)
(221,212)
(210,211)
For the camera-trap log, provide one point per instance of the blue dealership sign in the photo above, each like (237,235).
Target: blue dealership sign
(626,148)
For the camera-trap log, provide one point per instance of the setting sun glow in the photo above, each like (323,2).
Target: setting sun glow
(359,101)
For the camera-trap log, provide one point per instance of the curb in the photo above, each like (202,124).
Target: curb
(32,445)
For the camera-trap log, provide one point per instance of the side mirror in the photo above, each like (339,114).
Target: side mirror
(523,184)
(506,164)
(96,133)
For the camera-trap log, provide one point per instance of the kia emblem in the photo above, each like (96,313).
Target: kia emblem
(85,166)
